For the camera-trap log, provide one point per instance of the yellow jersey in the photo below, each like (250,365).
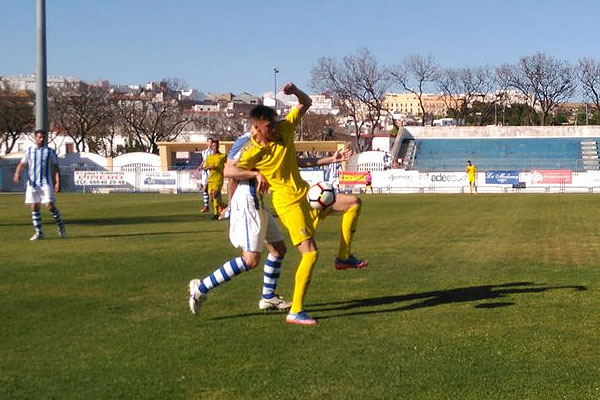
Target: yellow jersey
(277,162)
(471,170)
(217,162)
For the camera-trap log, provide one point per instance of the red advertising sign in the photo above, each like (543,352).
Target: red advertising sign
(353,178)
(552,176)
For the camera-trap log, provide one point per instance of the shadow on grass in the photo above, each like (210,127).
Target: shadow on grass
(440,297)
(428,299)
(128,220)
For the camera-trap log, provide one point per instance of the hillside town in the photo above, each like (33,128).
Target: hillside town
(111,119)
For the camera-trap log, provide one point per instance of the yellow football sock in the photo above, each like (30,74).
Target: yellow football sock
(349,220)
(303,274)
(215,203)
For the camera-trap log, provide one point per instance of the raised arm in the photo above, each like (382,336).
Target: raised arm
(338,156)
(304,101)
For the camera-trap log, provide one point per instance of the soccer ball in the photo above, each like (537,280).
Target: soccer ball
(321,195)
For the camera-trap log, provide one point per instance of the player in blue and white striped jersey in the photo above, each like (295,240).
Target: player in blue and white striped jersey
(251,225)
(332,175)
(42,166)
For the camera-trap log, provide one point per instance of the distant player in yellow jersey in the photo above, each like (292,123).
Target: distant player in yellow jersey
(215,163)
(472,177)
(270,158)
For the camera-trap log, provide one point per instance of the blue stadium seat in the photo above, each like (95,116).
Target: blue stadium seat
(499,154)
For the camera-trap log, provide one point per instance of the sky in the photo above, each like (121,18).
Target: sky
(233,45)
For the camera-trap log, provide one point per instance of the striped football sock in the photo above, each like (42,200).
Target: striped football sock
(271,270)
(36,219)
(231,268)
(56,214)
(206,199)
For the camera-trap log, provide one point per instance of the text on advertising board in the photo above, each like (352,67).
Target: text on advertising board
(502,177)
(99,178)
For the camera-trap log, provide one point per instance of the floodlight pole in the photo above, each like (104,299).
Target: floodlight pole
(41,92)
(275,72)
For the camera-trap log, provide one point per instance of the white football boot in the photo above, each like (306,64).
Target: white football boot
(37,236)
(196,296)
(274,303)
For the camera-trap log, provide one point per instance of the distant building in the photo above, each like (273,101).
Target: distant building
(28,82)
(323,104)
(206,106)
(408,103)
(223,97)
(247,98)
(191,94)
(444,122)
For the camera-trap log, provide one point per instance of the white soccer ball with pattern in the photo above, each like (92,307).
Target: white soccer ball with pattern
(321,195)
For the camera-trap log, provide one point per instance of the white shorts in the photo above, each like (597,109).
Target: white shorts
(39,194)
(250,227)
(204,178)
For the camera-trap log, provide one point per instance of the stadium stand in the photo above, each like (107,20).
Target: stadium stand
(515,154)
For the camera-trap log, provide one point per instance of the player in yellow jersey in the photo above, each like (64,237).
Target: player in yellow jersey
(215,163)
(270,158)
(472,177)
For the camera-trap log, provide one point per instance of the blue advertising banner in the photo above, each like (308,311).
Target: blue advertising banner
(502,177)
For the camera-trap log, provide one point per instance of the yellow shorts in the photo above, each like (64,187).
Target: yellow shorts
(301,221)
(215,186)
(471,180)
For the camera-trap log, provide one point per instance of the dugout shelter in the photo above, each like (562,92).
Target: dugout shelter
(171,152)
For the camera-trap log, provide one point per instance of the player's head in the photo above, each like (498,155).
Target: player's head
(39,137)
(263,121)
(214,145)
(209,141)
(468,162)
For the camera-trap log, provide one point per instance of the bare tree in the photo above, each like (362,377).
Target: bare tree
(77,110)
(318,127)
(589,76)
(221,125)
(413,74)
(542,79)
(462,86)
(103,139)
(16,117)
(152,117)
(359,83)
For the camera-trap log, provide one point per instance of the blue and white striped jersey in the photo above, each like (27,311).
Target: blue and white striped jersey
(205,153)
(40,161)
(332,173)
(246,187)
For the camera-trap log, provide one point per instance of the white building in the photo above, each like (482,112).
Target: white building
(191,94)
(322,104)
(28,82)
(206,107)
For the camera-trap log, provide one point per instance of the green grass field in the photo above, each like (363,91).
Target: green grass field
(466,297)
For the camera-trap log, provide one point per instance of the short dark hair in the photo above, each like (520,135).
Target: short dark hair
(263,112)
(43,132)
